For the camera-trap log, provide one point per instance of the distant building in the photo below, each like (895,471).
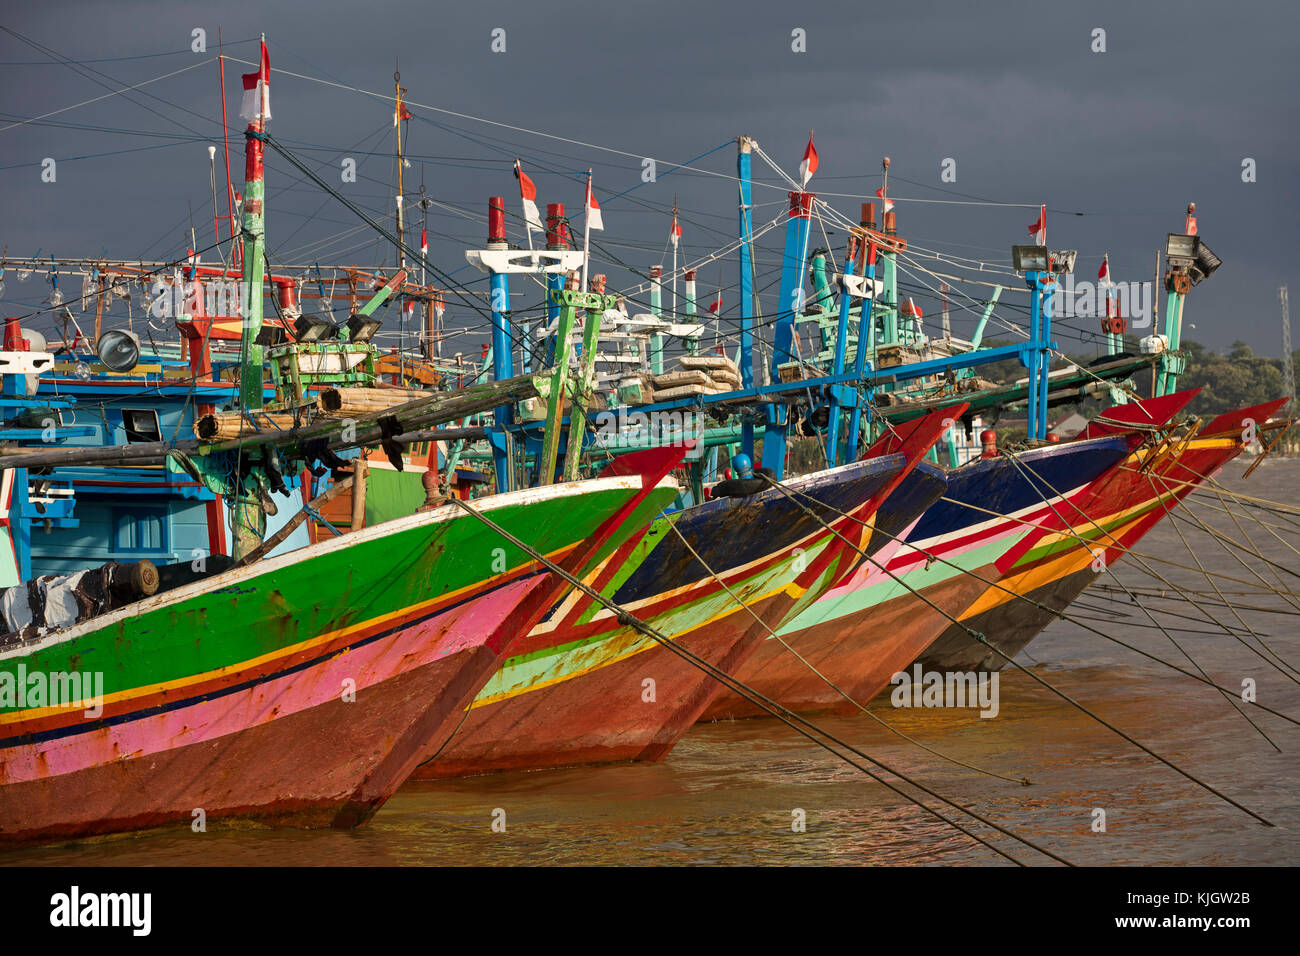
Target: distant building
(1069,426)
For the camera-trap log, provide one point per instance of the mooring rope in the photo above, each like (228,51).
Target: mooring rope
(1023,781)
(1176,525)
(1061,615)
(1064,696)
(797,723)
(1162,594)
(1142,564)
(1231,698)
(1115,546)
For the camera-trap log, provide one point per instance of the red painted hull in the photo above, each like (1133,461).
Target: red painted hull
(859,653)
(603,717)
(329,765)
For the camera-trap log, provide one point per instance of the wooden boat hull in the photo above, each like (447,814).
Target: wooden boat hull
(875,624)
(583,689)
(301,690)
(1053,567)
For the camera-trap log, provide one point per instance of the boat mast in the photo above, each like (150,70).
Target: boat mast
(249,517)
(254,245)
(399,112)
(747,369)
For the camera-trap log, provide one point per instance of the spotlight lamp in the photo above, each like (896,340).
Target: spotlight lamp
(362,328)
(119,350)
(1029,258)
(314,328)
(1063,260)
(1191,255)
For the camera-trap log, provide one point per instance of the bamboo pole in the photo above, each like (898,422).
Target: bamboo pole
(99,312)
(224,426)
(433,409)
(359,472)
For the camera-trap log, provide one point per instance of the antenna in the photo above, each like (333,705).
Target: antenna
(1288,362)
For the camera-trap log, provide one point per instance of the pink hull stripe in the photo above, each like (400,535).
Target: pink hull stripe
(462,628)
(900,560)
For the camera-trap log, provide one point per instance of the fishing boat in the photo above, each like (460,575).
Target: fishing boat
(301,689)
(916,600)
(297,689)
(892,608)
(1074,545)
(713,578)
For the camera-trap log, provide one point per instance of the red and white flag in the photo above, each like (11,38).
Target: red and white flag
(1104,272)
(528,193)
(676,232)
(1191,225)
(257,92)
(594,218)
(1105,283)
(1039,229)
(888,204)
(808,165)
(716,305)
(424,242)
(400,113)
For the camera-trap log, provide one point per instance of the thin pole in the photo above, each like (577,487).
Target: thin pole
(586,233)
(225,135)
(216,217)
(674,237)
(397,121)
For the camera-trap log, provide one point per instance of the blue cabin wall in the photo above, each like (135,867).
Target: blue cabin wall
(130,513)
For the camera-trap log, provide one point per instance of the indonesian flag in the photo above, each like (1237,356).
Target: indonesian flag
(424,242)
(1105,282)
(809,164)
(439,306)
(1191,225)
(716,305)
(400,113)
(675,232)
(594,218)
(888,203)
(528,193)
(1039,229)
(257,92)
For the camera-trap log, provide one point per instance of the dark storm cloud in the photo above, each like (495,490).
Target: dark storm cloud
(1012,92)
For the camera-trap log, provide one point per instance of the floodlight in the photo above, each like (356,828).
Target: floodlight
(1063,260)
(1180,250)
(119,350)
(1206,262)
(362,328)
(313,328)
(1029,258)
(271,335)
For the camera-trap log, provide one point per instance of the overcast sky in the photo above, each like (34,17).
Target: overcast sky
(1115,143)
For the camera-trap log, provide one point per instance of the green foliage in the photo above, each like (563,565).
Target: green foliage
(1237,379)
(1234,380)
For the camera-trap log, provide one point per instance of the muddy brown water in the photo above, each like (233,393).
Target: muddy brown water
(730,792)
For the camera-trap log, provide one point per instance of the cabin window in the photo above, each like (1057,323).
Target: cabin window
(141,425)
(140,529)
